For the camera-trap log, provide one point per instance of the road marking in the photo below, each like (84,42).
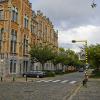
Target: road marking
(47,81)
(40,81)
(72,82)
(64,81)
(74,93)
(56,81)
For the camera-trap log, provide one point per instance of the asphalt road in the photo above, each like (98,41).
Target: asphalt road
(57,88)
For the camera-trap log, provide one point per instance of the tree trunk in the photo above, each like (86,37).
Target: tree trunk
(55,67)
(42,66)
(63,67)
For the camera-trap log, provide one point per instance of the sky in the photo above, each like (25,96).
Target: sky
(74,20)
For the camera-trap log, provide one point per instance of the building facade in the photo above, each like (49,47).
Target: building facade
(21,27)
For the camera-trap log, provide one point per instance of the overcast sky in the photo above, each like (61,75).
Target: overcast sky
(74,19)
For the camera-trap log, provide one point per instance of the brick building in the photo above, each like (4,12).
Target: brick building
(19,27)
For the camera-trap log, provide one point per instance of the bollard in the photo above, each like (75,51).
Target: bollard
(13,79)
(26,78)
(1,79)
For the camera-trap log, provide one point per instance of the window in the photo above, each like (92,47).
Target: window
(33,28)
(25,66)
(13,41)
(14,14)
(2,1)
(1,38)
(12,66)
(1,14)
(14,69)
(45,30)
(26,21)
(25,45)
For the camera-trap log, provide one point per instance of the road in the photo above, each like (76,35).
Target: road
(57,88)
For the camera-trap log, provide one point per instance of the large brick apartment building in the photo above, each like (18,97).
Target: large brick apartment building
(19,27)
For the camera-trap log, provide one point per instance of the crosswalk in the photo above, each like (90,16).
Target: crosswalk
(57,81)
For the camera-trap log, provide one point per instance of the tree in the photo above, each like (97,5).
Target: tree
(41,54)
(94,55)
(68,58)
(55,61)
(72,58)
(62,57)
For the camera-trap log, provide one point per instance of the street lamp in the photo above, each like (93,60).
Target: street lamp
(86,56)
(86,51)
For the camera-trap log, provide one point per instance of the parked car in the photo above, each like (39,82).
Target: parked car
(39,74)
(81,70)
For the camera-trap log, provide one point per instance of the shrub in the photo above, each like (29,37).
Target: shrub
(59,72)
(95,73)
(50,73)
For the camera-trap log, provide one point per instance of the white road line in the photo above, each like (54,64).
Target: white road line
(64,81)
(56,81)
(40,81)
(47,81)
(72,82)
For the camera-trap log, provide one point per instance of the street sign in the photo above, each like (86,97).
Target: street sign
(82,55)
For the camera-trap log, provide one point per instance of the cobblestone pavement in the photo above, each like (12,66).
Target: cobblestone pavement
(56,89)
(91,92)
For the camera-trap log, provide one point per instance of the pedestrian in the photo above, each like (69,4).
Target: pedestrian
(86,77)
(85,82)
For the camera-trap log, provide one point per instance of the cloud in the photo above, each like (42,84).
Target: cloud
(89,33)
(75,19)
(72,13)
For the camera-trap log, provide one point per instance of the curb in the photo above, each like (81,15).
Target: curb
(73,92)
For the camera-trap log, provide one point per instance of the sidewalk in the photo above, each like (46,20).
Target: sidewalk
(91,92)
(19,79)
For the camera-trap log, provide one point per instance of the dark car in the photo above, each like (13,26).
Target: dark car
(81,70)
(37,74)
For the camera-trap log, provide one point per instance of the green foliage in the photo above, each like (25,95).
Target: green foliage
(67,58)
(95,73)
(41,54)
(50,73)
(71,58)
(59,72)
(94,55)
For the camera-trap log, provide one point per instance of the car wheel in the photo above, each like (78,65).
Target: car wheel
(37,76)
(24,75)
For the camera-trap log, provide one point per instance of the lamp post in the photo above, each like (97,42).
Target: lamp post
(86,51)
(86,59)
(2,61)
